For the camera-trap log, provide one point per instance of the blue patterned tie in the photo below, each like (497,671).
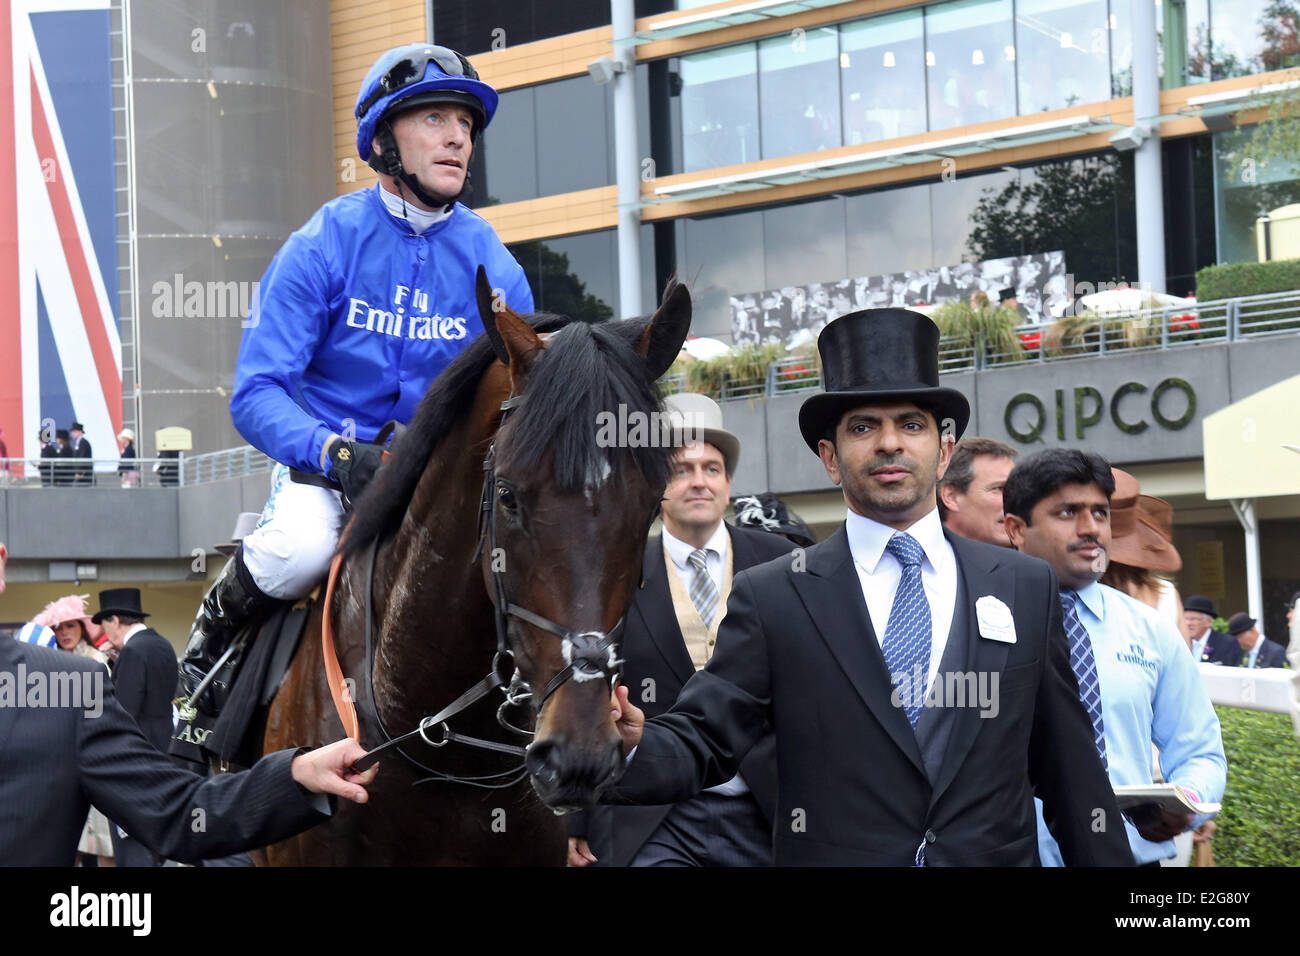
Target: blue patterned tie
(906,646)
(1084,666)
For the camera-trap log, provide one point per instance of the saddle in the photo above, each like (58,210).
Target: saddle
(235,736)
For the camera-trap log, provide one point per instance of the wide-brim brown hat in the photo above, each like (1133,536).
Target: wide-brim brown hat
(1141,527)
(876,356)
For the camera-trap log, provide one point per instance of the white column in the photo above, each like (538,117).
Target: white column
(1245,510)
(627,162)
(1147,173)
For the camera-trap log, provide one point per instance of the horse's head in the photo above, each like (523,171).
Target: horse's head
(576,473)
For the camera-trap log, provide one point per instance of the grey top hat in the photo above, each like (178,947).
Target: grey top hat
(244,526)
(699,418)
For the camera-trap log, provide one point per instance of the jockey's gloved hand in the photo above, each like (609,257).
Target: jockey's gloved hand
(352,464)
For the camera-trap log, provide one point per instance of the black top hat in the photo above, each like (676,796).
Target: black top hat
(1006,294)
(61,433)
(1239,623)
(76,427)
(879,355)
(1198,602)
(119,601)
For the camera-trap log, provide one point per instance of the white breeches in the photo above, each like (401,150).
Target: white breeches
(290,549)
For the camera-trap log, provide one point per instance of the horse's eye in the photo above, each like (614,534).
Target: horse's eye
(507,497)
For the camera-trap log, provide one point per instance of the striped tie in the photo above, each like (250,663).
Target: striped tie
(1084,665)
(704,591)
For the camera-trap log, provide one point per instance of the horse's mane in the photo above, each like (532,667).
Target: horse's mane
(379,509)
(584,370)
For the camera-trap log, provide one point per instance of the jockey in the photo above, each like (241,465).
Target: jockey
(357,314)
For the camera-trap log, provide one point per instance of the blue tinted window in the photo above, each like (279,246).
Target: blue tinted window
(882,77)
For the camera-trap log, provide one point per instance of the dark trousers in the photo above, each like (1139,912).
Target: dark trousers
(710,830)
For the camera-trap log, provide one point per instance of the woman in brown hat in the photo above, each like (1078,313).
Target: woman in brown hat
(1141,549)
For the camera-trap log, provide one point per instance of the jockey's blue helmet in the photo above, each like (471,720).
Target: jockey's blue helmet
(416,74)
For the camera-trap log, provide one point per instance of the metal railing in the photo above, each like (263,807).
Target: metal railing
(1089,334)
(133,472)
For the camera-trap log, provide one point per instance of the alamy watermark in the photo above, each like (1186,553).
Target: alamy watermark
(78,690)
(637,429)
(956,689)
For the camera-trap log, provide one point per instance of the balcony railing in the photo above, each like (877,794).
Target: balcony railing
(137,473)
(1090,334)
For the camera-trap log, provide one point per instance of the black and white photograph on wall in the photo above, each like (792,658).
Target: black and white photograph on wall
(793,315)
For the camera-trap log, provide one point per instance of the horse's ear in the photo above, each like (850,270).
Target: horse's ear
(489,307)
(666,331)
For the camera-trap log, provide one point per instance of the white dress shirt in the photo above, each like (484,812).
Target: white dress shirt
(879,573)
(133,630)
(715,549)
(1198,644)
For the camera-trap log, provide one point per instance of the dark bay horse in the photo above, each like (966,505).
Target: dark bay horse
(568,517)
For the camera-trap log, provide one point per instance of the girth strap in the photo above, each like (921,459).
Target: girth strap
(333,671)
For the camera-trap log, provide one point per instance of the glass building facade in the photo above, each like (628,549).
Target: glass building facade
(921,69)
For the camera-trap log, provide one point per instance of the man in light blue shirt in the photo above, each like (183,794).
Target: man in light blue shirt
(1137,681)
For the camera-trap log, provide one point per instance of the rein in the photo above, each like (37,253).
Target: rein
(588,655)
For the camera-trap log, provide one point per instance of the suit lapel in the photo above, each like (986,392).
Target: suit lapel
(832,595)
(655,605)
(980,576)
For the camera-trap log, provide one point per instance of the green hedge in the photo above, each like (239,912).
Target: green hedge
(1247,278)
(1260,822)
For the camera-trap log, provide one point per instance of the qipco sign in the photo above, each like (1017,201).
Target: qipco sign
(1133,409)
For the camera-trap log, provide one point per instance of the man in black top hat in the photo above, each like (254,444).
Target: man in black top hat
(918,684)
(1208,644)
(144,678)
(1253,648)
(1008,299)
(84,473)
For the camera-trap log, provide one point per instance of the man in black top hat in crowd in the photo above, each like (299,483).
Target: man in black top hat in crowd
(918,684)
(145,680)
(1008,299)
(1253,648)
(84,472)
(1207,644)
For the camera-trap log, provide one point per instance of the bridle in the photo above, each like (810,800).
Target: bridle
(589,655)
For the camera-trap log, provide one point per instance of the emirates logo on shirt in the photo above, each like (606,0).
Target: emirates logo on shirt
(397,322)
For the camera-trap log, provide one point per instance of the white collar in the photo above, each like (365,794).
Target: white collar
(134,629)
(418,219)
(867,540)
(680,551)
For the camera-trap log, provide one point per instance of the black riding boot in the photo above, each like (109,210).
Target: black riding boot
(231,604)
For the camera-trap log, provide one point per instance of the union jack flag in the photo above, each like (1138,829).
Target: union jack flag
(60,348)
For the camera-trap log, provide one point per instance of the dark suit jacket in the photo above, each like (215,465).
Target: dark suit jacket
(85,474)
(653,649)
(145,679)
(1221,648)
(857,784)
(1271,654)
(55,761)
